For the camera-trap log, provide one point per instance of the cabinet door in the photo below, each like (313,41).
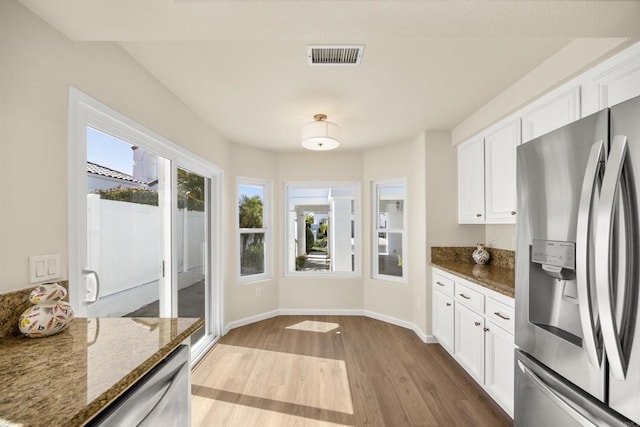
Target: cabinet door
(471,182)
(443,320)
(551,114)
(612,82)
(469,341)
(500,173)
(498,373)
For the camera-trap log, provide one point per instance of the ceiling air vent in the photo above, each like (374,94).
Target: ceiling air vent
(334,55)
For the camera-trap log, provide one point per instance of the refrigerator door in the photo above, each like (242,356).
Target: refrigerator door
(621,255)
(545,399)
(553,265)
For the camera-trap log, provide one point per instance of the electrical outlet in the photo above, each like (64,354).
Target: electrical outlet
(258,292)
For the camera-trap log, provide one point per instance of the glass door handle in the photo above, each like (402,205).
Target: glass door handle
(584,236)
(604,240)
(95,275)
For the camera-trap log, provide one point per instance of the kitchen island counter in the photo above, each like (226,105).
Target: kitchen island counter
(67,379)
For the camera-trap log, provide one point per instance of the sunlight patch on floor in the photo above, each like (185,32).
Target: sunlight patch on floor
(313,326)
(299,381)
(221,413)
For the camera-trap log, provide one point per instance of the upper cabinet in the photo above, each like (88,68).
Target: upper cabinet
(550,113)
(471,182)
(612,82)
(487,177)
(500,173)
(487,162)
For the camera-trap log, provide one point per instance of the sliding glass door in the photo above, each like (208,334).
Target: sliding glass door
(142,215)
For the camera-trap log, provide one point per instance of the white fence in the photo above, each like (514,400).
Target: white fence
(123,246)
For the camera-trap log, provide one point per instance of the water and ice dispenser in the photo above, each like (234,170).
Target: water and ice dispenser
(553,295)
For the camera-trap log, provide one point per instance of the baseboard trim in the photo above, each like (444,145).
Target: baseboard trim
(432,340)
(249,320)
(428,339)
(320,312)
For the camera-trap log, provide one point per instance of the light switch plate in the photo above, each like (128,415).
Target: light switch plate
(43,268)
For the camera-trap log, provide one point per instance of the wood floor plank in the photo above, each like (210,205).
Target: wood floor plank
(334,370)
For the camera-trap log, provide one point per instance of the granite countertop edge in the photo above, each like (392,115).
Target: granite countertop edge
(505,285)
(101,402)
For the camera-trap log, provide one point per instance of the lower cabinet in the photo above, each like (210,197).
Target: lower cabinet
(443,320)
(475,325)
(469,341)
(498,365)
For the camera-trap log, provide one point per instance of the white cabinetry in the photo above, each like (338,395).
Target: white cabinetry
(443,320)
(498,364)
(471,182)
(475,325)
(500,173)
(612,82)
(487,177)
(443,288)
(550,112)
(469,341)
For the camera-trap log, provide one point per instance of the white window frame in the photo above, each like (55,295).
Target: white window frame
(266,229)
(375,185)
(86,111)
(291,272)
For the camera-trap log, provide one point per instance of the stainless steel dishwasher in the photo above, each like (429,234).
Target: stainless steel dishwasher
(161,398)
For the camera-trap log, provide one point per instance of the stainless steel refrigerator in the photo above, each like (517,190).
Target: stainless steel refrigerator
(577,273)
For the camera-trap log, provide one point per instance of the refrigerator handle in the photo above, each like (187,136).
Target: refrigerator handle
(604,259)
(590,327)
(556,398)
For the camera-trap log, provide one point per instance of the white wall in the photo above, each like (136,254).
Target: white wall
(311,293)
(501,236)
(404,301)
(442,203)
(240,298)
(38,64)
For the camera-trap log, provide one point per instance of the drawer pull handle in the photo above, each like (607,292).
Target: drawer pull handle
(477,323)
(448,304)
(464,296)
(439,284)
(513,212)
(485,329)
(478,215)
(502,316)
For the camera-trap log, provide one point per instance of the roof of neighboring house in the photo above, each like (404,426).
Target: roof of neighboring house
(97,169)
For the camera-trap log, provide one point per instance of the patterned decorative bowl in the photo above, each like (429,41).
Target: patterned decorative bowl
(45,319)
(49,315)
(48,292)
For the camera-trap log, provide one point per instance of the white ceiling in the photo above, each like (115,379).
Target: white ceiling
(241,65)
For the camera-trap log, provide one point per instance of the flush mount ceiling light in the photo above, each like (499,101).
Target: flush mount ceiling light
(320,135)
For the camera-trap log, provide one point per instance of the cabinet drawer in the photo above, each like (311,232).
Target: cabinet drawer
(442,284)
(470,298)
(500,314)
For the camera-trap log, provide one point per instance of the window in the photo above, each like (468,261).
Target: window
(253,230)
(389,231)
(322,229)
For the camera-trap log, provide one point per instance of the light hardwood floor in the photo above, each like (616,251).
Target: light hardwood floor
(334,370)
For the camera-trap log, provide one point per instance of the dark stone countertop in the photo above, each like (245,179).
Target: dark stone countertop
(68,378)
(498,275)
